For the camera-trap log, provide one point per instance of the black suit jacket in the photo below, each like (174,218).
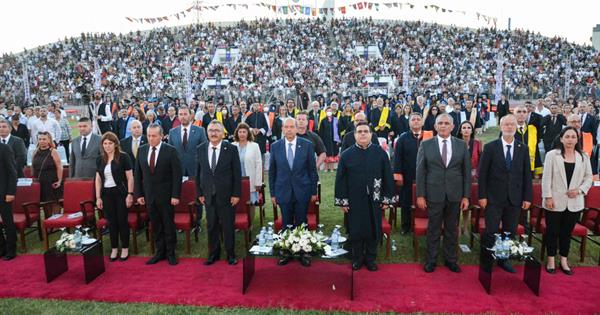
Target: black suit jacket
(165,182)
(536,120)
(497,183)
(502,109)
(589,125)
(20,153)
(8,180)
(551,130)
(126,147)
(226,180)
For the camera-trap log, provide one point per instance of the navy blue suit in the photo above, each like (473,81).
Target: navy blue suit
(293,187)
(188,155)
(405,163)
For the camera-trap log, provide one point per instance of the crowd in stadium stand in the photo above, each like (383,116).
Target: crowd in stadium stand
(317,55)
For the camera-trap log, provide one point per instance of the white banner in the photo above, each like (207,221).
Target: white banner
(26,82)
(499,77)
(97,76)
(405,72)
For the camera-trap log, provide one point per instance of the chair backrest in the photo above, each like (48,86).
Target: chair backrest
(26,194)
(27,172)
(65,172)
(313,207)
(592,199)
(418,213)
(242,206)
(76,191)
(188,194)
(537,194)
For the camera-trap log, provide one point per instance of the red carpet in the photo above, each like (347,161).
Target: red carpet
(397,288)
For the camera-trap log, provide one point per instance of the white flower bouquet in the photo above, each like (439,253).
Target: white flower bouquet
(66,243)
(300,241)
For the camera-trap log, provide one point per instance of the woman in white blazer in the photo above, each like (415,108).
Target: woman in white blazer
(250,158)
(566,180)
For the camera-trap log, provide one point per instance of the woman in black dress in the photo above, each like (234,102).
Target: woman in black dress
(329,133)
(48,170)
(430,120)
(19,130)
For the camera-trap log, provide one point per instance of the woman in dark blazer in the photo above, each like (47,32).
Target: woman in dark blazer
(114,192)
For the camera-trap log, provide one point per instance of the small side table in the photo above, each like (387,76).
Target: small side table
(56,263)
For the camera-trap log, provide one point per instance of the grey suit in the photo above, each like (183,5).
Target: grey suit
(443,187)
(84,166)
(20,153)
(187,155)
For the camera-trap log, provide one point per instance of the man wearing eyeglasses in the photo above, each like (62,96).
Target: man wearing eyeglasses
(530,135)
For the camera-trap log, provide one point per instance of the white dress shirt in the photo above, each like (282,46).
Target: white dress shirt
(5,140)
(157,152)
(188,127)
(210,152)
(512,148)
(287,145)
(448,148)
(87,141)
(50,125)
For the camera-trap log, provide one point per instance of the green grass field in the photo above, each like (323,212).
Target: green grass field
(330,216)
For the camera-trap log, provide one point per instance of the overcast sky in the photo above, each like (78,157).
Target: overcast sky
(30,23)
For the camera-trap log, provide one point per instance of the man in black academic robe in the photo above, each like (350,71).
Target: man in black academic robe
(381,128)
(363,190)
(259,126)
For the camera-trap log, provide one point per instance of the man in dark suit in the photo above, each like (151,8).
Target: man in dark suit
(16,144)
(293,178)
(218,186)
(504,184)
(551,126)
(444,189)
(588,122)
(100,112)
(158,186)
(405,166)
(186,138)
(8,188)
(132,144)
(122,123)
(534,118)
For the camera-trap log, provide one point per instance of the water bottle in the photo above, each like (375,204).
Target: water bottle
(394,247)
(506,246)
(335,241)
(498,246)
(269,237)
(77,239)
(261,240)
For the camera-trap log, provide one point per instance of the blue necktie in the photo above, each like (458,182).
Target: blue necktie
(508,157)
(290,156)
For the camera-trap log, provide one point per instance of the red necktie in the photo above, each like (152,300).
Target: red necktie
(152,158)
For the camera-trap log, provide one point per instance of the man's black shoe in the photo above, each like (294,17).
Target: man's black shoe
(372,266)
(9,257)
(172,260)
(232,261)
(211,260)
(429,267)
(284,260)
(356,265)
(453,267)
(305,261)
(155,259)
